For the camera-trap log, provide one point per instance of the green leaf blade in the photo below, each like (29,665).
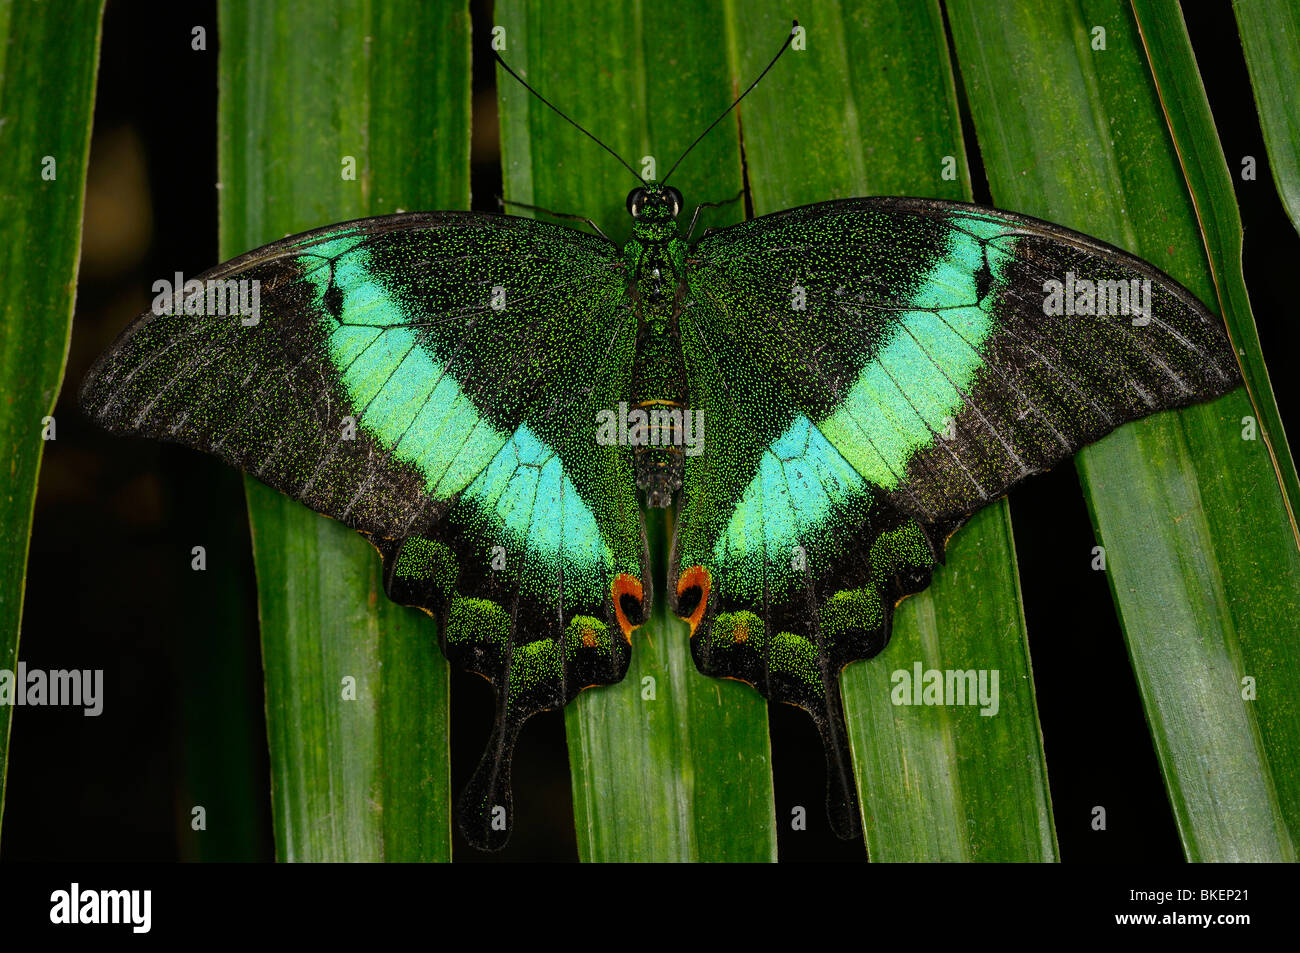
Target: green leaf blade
(877,114)
(1198,541)
(1270,38)
(1182,95)
(665,774)
(47,55)
(303,89)
(685,775)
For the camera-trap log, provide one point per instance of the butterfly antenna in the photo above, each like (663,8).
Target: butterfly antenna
(506,66)
(784,46)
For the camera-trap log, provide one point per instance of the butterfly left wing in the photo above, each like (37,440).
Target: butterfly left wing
(871,372)
(432,380)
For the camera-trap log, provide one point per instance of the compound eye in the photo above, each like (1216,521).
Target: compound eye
(674,200)
(636,202)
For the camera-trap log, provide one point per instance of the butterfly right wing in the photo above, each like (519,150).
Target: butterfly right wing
(432,380)
(872,371)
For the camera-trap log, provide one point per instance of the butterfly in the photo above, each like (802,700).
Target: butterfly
(824,395)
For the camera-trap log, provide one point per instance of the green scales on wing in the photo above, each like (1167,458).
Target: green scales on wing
(827,393)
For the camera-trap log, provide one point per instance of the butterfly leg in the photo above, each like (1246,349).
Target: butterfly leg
(703,205)
(546,211)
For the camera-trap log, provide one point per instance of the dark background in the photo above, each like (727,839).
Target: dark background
(110,586)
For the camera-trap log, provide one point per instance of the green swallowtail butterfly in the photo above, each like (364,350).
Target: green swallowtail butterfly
(825,393)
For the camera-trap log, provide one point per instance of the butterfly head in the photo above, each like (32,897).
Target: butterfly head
(653,202)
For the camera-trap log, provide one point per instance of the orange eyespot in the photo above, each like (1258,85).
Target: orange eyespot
(693,595)
(628,593)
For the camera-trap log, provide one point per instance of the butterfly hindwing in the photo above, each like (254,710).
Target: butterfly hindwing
(872,371)
(433,381)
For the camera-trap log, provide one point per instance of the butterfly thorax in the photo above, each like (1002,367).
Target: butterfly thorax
(655,260)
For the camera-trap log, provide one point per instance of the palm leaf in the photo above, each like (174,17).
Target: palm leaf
(1169,52)
(1270,37)
(303,88)
(877,115)
(47,55)
(667,765)
(1200,554)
